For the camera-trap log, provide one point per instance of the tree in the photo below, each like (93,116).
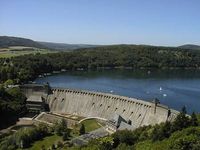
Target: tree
(60,127)
(59,144)
(53,146)
(82,129)
(42,129)
(183,110)
(8,82)
(166,129)
(124,136)
(3,74)
(186,143)
(161,131)
(181,121)
(123,146)
(194,120)
(155,134)
(43,147)
(104,143)
(65,136)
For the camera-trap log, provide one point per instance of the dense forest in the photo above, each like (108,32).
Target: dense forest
(12,105)
(24,68)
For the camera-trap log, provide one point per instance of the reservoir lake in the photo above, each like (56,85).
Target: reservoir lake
(174,88)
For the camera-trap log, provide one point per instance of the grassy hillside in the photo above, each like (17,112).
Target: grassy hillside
(14,51)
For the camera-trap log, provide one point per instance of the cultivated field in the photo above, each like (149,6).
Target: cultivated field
(14,51)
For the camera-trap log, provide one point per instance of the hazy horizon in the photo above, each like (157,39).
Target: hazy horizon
(159,23)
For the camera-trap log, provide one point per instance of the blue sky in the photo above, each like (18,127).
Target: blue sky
(155,22)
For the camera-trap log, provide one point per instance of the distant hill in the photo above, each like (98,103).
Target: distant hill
(190,46)
(64,46)
(7,41)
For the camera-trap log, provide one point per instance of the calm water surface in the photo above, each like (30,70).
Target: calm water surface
(174,88)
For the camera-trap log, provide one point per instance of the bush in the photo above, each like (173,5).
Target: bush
(65,136)
(60,127)
(82,129)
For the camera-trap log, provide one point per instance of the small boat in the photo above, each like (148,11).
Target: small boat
(63,70)
(164,95)
(56,72)
(48,74)
(111,91)
(160,89)
(40,76)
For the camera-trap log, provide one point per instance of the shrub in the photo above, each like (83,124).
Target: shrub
(82,129)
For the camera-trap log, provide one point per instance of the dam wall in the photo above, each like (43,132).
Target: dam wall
(105,105)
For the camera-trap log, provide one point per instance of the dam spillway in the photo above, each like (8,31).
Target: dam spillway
(105,105)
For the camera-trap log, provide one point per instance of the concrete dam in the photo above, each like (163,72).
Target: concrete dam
(104,105)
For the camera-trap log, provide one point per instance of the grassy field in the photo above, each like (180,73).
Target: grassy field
(90,125)
(20,50)
(47,142)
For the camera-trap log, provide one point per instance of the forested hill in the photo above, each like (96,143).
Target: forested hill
(7,41)
(24,68)
(64,46)
(190,46)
